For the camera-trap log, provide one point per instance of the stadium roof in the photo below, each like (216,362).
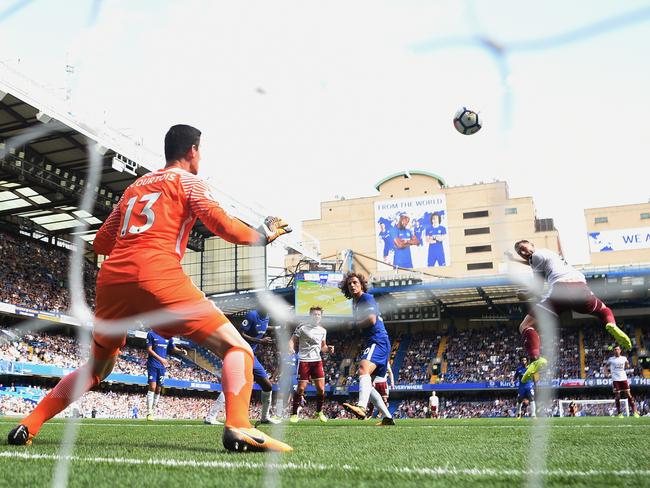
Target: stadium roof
(407,174)
(44,161)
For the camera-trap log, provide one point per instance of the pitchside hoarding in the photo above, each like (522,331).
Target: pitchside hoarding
(412,232)
(620,239)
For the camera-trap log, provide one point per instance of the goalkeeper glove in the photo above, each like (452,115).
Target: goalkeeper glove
(274,227)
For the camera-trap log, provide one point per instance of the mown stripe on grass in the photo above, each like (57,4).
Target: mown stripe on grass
(439,470)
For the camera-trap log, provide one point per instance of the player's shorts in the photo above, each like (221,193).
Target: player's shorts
(378,353)
(382,388)
(525,394)
(156,374)
(310,370)
(187,312)
(620,386)
(433,411)
(570,296)
(258,369)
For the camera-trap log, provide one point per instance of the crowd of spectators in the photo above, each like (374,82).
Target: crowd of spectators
(64,351)
(34,274)
(485,354)
(415,366)
(456,408)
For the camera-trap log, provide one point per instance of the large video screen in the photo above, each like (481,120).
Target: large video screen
(321,290)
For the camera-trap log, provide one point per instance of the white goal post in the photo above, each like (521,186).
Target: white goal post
(594,407)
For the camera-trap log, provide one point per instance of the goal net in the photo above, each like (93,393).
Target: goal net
(593,408)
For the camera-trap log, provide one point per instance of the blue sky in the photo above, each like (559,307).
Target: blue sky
(301,101)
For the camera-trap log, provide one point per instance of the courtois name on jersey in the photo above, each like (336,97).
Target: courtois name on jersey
(255,325)
(362,309)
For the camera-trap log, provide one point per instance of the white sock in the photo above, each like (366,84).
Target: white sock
(266,404)
(365,386)
(217,407)
(376,398)
(150,395)
(533,410)
(156,397)
(519,409)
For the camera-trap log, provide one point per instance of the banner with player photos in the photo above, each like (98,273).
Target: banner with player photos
(412,232)
(620,239)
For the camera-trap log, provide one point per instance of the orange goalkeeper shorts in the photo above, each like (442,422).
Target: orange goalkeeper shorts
(176,308)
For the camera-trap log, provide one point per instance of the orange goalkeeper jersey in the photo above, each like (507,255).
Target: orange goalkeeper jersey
(146,234)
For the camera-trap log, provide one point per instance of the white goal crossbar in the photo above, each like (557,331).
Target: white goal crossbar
(564,406)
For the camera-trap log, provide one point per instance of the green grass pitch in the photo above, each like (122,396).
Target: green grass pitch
(585,452)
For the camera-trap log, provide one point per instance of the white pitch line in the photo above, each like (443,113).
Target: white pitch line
(87,423)
(439,471)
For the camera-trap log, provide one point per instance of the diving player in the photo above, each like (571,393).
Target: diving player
(568,290)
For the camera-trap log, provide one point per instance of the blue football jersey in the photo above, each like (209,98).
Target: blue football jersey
(255,325)
(403,256)
(440,230)
(528,386)
(160,346)
(362,309)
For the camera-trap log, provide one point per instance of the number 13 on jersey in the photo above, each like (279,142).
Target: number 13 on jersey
(147,211)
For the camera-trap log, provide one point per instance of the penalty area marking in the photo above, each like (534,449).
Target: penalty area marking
(435,471)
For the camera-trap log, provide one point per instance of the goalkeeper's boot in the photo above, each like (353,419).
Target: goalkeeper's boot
(621,337)
(149,417)
(534,367)
(294,419)
(386,421)
(636,415)
(248,439)
(20,436)
(321,416)
(357,410)
(620,415)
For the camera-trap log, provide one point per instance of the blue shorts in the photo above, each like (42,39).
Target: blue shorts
(525,394)
(156,374)
(378,353)
(258,370)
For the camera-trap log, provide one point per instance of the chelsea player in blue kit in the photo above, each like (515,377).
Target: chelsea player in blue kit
(374,360)
(253,329)
(525,390)
(157,349)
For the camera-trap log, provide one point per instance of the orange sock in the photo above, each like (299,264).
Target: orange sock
(237,382)
(62,395)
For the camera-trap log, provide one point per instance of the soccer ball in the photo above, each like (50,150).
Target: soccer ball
(466,121)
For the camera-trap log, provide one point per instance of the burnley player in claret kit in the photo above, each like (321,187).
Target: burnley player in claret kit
(310,338)
(374,359)
(568,290)
(617,365)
